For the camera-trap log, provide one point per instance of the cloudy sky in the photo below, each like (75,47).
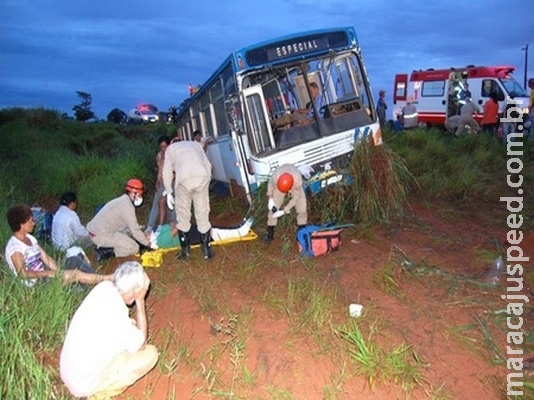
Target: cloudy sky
(127,52)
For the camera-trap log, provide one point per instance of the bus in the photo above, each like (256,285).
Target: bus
(257,110)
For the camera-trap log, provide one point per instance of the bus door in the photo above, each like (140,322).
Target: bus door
(230,158)
(260,135)
(235,150)
(259,138)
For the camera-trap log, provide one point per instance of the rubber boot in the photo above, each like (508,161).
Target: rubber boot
(184,244)
(270,235)
(103,253)
(205,239)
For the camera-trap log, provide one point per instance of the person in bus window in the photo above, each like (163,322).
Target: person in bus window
(381,108)
(318,101)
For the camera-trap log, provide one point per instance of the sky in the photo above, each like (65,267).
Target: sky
(128,52)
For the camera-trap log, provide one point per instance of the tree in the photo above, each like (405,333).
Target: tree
(83,111)
(117,116)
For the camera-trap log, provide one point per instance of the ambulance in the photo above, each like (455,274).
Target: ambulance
(439,93)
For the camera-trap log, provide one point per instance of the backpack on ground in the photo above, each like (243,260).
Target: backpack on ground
(317,240)
(43,223)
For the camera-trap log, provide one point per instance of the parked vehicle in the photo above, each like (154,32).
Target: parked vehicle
(439,93)
(143,114)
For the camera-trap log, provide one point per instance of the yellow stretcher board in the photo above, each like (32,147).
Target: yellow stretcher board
(154,258)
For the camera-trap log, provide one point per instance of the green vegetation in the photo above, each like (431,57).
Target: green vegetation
(43,155)
(400,365)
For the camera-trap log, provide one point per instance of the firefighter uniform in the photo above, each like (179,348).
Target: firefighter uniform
(466,118)
(115,225)
(296,193)
(192,176)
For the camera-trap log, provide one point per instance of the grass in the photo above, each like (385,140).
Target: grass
(32,325)
(400,365)
(95,160)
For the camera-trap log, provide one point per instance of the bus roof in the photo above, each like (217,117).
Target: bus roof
(471,71)
(280,50)
(293,46)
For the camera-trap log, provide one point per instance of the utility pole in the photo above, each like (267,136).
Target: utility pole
(525,49)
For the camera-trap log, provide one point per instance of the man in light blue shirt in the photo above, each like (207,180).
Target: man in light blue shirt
(318,101)
(67,230)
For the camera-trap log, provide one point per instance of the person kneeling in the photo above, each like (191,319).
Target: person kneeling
(105,351)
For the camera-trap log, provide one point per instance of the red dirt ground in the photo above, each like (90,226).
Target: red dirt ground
(290,364)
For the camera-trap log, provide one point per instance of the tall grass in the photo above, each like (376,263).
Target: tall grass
(381,183)
(41,157)
(32,325)
(467,171)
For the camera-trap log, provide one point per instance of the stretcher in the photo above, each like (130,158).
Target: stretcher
(154,258)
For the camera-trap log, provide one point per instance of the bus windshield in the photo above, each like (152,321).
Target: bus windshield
(306,100)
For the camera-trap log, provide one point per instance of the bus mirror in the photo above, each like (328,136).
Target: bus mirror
(233,112)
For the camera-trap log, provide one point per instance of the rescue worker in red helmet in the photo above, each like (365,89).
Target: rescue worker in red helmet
(286,181)
(114,229)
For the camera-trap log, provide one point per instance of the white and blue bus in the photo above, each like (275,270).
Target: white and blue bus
(257,111)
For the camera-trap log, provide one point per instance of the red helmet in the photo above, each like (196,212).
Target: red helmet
(135,186)
(285,182)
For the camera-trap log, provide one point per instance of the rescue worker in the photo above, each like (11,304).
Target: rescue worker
(451,123)
(409,114)
(466,117)
(192,169)
(114,229)
(286,180)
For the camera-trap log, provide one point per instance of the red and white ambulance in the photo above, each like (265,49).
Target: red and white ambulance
(438,93)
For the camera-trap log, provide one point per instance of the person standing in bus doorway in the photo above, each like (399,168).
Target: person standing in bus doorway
(490,118)
(286,181)
(192,176)
(381,108)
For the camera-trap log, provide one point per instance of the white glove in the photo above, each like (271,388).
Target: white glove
(271,206)
(278,214)
(306,170)
(170,201)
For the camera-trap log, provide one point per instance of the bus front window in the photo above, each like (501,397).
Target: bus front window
(306,101)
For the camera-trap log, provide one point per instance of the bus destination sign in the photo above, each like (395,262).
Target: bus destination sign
(293,47)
